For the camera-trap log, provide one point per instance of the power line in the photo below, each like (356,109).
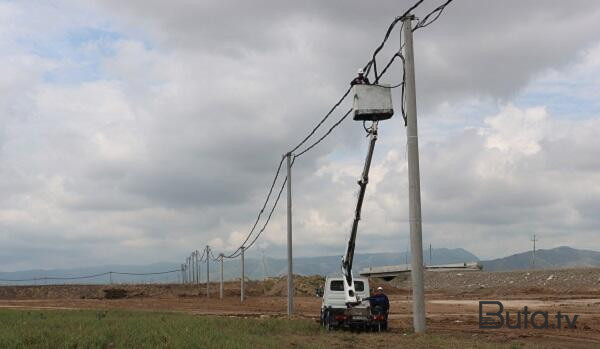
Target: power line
(426,22)
(325,135)
(322,120)
(372,63)
(213,258)
(202,258)
(142,274)
(260,212)
(270,213)
(88,276)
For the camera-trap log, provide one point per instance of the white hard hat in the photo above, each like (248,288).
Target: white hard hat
(379,288)
(361,71)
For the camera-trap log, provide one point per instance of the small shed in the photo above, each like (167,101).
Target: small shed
(372,102)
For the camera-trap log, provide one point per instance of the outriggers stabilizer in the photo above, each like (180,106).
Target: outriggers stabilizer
(371,103)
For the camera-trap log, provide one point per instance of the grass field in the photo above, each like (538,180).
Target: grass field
(139,329)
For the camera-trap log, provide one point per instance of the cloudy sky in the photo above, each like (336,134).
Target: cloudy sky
(136,131)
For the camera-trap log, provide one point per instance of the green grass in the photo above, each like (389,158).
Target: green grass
(139,329)
(136,329)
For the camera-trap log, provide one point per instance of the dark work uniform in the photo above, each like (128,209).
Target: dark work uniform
(381,301)
(360,81)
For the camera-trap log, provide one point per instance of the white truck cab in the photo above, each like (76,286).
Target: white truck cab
(334,311)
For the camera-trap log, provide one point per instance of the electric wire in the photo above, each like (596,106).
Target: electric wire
(371,64)
(202,258)
(261,210)
(324,135)
(270,213)
(88,276)
(425,21)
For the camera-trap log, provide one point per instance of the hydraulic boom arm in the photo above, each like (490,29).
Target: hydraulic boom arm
(350,294)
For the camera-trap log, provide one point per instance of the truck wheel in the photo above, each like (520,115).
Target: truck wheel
(327,322)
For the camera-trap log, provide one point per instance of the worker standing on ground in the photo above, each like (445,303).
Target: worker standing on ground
(381,303)
(361,79)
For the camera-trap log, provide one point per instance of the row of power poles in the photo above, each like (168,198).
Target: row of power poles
(191,270)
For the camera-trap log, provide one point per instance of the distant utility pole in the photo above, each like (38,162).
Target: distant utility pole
(197,267)
(243,277)
(414,185)
(194,266)
(290,280)
(207,271)
(221,256)
(187,269)
(430,254)
(533,259)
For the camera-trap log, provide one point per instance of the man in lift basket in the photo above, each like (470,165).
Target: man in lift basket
(361,79)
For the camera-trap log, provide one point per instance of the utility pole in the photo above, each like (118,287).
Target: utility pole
(193,269)
(534,240)
(207,271)
(290,280)
(183,273)
(221,256)
(197,268)
(414,185)
(188,269)
(430,254)
(243,277)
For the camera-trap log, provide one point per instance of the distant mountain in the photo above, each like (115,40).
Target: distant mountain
(255,268)
(258,268)
(560,257)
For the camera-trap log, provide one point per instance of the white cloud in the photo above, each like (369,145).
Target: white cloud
(144,145)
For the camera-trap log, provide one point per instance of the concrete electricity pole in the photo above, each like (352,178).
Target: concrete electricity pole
(207,271)
(430,255)
(221,256)
(243,277)
(533,259)
(290,280)
(414,185)
(187,269)
(194,266)
(197,267)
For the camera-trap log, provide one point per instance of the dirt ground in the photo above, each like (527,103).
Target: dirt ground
(452,304)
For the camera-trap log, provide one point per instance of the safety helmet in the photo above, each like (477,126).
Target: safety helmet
(361,71)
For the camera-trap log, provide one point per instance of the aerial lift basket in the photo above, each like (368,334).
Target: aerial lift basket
(372,102)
